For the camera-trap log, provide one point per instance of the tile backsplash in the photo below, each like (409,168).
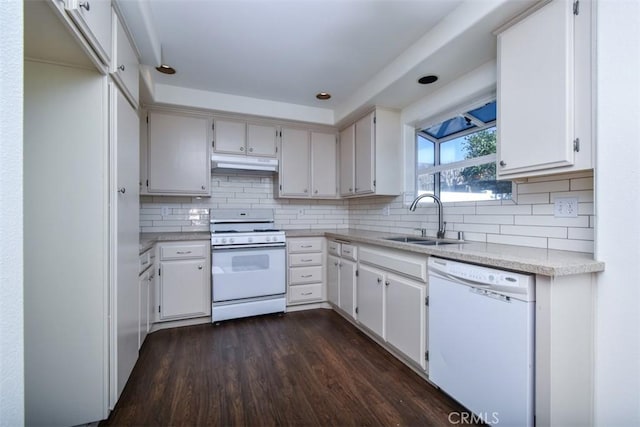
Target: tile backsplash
(526,221)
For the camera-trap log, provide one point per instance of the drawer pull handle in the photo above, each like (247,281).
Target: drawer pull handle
(306,293)
(306,276)
(183,252)
(306,260)
(306,246)
(145,263)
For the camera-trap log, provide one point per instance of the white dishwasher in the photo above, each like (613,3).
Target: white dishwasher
(481,340)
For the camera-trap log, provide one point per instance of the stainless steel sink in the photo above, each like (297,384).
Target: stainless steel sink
(422,241)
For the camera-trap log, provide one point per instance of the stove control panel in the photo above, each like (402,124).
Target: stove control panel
(219,239)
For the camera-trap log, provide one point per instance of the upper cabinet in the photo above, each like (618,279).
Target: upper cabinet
(370,151)
(178,159)
(124,67)
(545,92)
(308,164)
(241,137)
(93,19)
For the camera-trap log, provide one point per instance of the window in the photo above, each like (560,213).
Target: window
(456,159)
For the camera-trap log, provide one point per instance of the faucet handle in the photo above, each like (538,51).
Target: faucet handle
(423,231)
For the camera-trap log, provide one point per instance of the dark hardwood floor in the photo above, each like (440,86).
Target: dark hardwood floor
(302,368)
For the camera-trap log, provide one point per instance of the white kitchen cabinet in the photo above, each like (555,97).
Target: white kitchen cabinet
(347,161)
(370,161)
(305,265)
(146,294)
(124,66)
(184,280)
(244,138)
(395,286)
(308,164)
(125,205)
(405,319)
(178,161)
(370,299)
(93,19)
(341,276)
(544,123)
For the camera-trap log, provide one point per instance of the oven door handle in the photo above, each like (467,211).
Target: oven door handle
(265,245)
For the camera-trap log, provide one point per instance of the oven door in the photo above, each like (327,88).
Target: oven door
(239,273)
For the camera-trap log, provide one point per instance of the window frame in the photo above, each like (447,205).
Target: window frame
(437,168)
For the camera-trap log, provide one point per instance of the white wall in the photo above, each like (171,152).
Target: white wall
(11,279)
(617,358)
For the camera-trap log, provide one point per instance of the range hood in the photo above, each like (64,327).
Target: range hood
(230,163)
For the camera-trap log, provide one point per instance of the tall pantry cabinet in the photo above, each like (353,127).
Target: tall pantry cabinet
(80,212)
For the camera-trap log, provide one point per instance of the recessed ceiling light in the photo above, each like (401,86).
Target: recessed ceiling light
(166,69)
(425,80)
(323,95)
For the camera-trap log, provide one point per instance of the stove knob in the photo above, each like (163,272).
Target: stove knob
(224,241)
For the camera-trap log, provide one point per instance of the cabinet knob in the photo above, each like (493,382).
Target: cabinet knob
(350,190)
(386,283)
(306,190)
(203,187)
(503,163)
(199,267)
(315,191)
(379,280)
(241,148)
(86,5)
(122,190)
(121,68)
(251,150)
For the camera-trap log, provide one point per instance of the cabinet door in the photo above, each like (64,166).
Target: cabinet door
(348,286)
(143,307)
(230,136)
(261,140)
(126,235)
(294,164)
(347,161)
(405,320)
(535,91)
(184,289)
(365,154)
(125,62)
(178,161)
(370,299)
(323,164)
(94,21)
(333,279)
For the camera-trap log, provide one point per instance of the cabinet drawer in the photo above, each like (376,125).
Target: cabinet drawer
(300,275)
(305,245)
(305,293)
(350,252)
(182,251)
(334,248)
(144,261)
(298,260)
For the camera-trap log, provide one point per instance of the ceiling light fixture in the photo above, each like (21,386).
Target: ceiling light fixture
(426,80)
(323,95)
(163,67)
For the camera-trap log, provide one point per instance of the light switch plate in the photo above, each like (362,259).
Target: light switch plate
(565,207)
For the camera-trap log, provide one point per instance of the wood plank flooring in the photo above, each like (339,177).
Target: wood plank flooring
(301,368)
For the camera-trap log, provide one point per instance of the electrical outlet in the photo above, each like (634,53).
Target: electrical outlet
(565,207)
(165,211)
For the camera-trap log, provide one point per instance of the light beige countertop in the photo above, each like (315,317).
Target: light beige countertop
(147,240)
(546,262)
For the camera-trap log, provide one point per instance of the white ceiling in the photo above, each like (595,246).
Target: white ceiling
(363,52)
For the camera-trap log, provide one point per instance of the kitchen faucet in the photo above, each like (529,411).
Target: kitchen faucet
(414,204)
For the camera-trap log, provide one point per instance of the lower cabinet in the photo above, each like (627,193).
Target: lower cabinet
(305,278)
(392,299)
(341,276)
(184,280)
